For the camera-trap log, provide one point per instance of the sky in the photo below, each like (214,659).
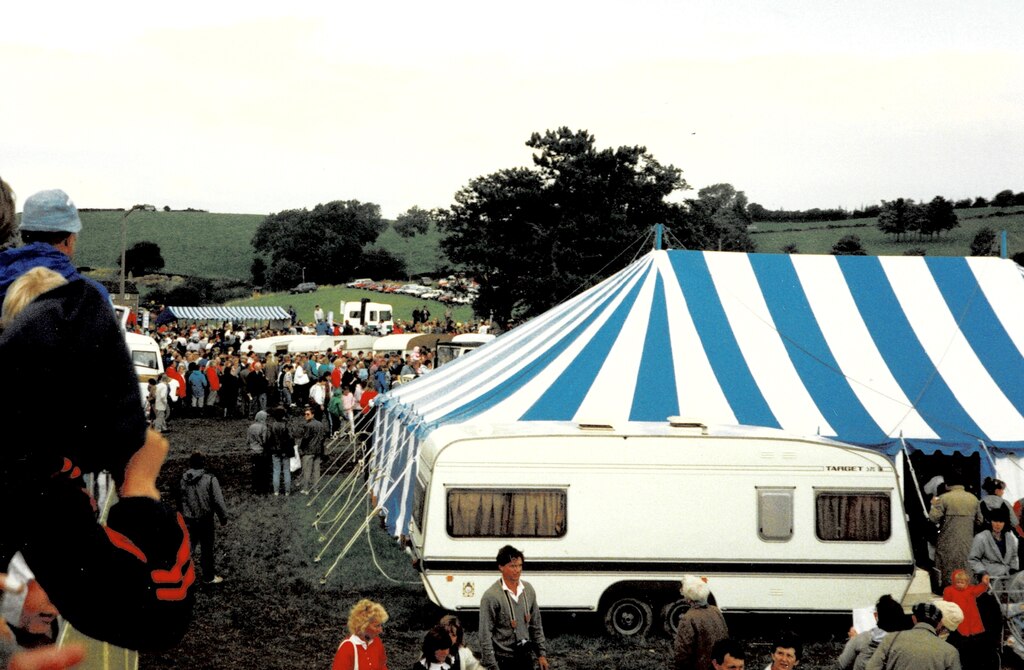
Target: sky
(256,107)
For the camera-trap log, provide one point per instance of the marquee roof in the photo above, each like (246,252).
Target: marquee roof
(249,313)
(869,350)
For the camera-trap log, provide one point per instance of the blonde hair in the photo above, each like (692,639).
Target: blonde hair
(364,613)
(27,288)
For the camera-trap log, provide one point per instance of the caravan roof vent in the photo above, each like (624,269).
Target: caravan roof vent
(695,425)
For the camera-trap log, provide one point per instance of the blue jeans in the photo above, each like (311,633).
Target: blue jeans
(281,463)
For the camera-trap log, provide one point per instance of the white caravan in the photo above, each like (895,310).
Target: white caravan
(611,518)
(459,345)
(365,314)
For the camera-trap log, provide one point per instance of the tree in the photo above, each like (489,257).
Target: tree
(915,251)
(1004,198)
(984,243)
(963,204)
(899,217)
(327,241)
(848,245)
(938,217)
(377,262)
(258,269)
(535,236)
(413,222)
(790,248)
(980,202)
(142,258)
(721,210)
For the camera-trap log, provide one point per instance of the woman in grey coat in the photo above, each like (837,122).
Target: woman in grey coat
(994,551)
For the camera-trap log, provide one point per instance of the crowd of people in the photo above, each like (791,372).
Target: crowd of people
(130,582)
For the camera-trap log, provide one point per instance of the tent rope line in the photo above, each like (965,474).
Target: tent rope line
(589,281)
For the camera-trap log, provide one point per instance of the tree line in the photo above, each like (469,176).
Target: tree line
(534,236)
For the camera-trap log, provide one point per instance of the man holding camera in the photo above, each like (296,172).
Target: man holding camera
(510,625)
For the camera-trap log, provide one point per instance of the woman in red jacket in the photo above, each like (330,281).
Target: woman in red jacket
(363,650)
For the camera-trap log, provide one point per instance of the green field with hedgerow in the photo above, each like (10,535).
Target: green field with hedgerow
(818,237)
(218,245)
(214,245)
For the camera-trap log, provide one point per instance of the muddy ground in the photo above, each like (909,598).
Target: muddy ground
(275,610)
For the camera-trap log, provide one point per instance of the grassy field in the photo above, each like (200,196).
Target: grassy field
(276,611)
(818,238)
(218,245)
(330,297)
(192,243)
(214,245)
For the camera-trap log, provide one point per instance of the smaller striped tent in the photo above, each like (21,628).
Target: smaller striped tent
(235,314)
(874,351)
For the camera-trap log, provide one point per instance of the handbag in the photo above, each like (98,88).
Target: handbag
(295,462)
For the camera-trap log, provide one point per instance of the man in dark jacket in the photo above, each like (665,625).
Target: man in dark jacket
(281,447)
(311,447)
(200,498)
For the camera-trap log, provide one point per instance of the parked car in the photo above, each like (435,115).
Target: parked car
(304,287)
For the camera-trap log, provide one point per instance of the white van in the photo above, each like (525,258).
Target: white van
(364,313)
(149,364)
(610,518)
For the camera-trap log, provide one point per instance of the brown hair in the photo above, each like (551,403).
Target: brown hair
(8,223)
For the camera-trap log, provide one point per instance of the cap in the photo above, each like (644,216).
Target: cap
(50,211)
(952,614)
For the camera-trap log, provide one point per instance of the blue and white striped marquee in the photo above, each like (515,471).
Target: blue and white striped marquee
(875,351)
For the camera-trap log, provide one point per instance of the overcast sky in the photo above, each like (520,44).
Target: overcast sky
(257,106)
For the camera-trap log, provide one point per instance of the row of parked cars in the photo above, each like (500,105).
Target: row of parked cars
(452,290)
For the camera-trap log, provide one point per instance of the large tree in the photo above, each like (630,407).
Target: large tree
(327,241)
(899,217)
(535,236)
(939,216)
(414,221)
(142,258)
(721,211)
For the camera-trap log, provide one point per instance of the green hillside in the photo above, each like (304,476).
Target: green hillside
(192,243)
(818,237)
(215,245)
(330,297)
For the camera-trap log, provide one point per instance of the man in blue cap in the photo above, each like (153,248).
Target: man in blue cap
(49,233)
(130,582)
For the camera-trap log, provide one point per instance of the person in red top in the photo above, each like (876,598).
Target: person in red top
(173,373)
(968,638)
(363,650)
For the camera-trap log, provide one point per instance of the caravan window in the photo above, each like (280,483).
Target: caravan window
(385,315)
(506,512)
(853,516)
(775,514)
(419,495)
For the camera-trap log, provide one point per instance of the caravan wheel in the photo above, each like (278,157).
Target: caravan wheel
(671,613)
(628,617)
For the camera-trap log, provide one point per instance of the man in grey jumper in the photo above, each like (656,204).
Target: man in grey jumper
(511,631)
(200,498)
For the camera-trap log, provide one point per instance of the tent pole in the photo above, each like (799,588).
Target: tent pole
(913,475)
(988,454)
(658,228)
